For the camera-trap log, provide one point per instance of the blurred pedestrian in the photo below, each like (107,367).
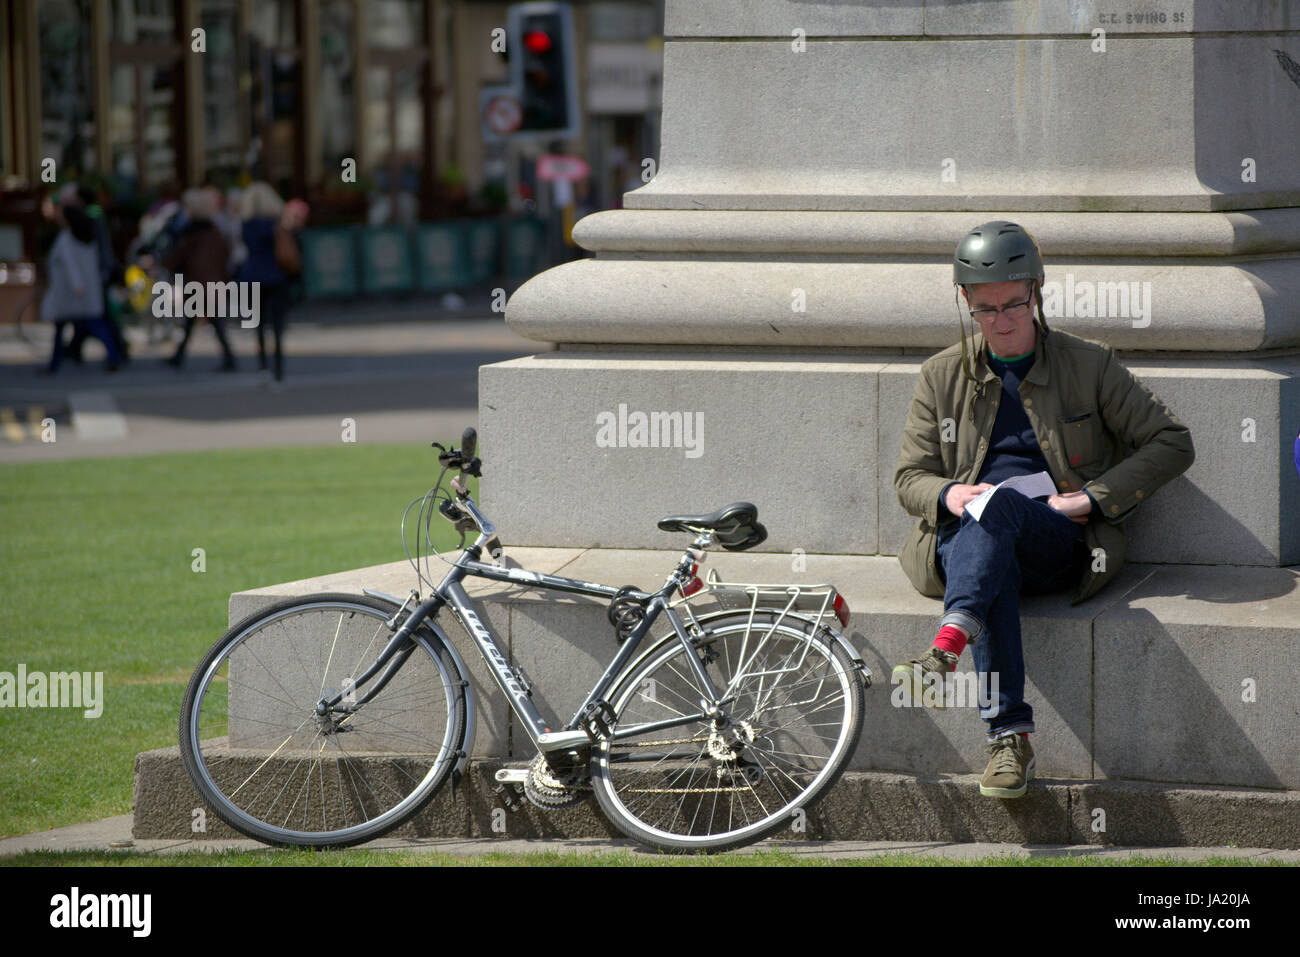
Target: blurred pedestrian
(74,295)
(200,255)
(233,206)
(110,271)
(272,258)
(227,221)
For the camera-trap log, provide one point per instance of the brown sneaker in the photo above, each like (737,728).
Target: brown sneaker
(1011,767)
(911,677)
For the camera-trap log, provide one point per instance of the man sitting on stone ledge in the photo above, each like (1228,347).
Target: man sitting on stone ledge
(1029,400)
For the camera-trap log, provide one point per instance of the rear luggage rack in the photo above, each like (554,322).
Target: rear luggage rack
(819,600)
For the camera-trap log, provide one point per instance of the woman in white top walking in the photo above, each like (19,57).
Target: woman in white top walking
(74,295)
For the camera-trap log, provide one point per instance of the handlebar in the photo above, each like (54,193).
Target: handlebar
(462,512)
(462,458)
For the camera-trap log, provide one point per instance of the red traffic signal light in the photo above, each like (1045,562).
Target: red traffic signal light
(537,41)
(544,73)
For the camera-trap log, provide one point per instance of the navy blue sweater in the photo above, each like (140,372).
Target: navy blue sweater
(1013,446)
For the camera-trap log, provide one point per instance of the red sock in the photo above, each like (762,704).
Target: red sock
(951,639)
(1023,734)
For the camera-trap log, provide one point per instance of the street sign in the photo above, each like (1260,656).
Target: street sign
(493,109)
(560,166)
(503,114)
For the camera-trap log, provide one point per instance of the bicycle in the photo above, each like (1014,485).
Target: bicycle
(331,719)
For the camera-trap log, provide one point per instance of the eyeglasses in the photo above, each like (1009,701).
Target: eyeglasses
(1015,311)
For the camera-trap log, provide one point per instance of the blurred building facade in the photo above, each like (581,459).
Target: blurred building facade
(369,108)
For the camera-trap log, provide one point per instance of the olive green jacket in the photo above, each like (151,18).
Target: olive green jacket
(1098,427)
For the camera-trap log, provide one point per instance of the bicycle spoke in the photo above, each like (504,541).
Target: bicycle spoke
(283,773)
(784,730)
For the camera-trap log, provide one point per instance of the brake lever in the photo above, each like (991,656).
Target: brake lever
(446,457)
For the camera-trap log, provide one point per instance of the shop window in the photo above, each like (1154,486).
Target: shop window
(67,110)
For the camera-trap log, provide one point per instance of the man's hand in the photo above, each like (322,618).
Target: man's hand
(1076,505)
(957,497)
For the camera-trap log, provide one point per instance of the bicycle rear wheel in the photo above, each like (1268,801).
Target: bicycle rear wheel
(273,768)
(790,728)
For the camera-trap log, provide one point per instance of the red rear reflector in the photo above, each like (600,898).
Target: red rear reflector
(842,611)
(692,586)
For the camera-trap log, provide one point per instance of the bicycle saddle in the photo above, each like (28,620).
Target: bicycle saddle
(735,526)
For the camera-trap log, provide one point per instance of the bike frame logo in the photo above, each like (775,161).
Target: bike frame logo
(497,660)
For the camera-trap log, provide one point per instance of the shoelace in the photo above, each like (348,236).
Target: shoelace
(941,662)
(1008,755)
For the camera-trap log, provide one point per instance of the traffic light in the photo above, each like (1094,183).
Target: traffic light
(543,68)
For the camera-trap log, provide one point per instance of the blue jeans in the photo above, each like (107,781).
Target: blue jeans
(97,326)
(1018,542)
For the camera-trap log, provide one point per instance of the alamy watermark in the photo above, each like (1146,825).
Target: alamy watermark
(56,689)
(76,909)
(960,689)
(1084,299)
(211,300)
(651,430)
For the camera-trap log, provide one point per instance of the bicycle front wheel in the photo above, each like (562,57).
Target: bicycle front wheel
(275,768)
(790,720)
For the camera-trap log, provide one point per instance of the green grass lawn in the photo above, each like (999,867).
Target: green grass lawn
(97,560)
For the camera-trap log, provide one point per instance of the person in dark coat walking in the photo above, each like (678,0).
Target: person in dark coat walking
(110,271)
(262,212)
(200,255)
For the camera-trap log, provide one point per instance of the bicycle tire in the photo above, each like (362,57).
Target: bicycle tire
(257,752)
(659,805)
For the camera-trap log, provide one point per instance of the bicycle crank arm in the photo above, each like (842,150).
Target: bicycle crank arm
(563,740)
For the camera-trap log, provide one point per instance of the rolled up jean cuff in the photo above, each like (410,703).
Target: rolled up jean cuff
(1023,726)
(974,627)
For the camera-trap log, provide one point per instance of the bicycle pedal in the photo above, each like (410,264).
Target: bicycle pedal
(596,720)
(510,795)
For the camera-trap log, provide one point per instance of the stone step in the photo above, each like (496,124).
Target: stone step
(1163,702)
(1175,674)
(861,806)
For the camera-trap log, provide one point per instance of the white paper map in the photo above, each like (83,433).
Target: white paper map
(1030,486)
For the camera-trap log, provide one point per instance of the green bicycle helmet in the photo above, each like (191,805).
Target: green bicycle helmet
(997,251)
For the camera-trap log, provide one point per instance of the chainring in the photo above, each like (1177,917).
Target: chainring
(552,791)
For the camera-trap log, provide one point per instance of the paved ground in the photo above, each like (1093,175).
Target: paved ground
(115,833)
(404,372)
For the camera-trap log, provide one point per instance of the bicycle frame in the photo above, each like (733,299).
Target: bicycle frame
(450,592)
